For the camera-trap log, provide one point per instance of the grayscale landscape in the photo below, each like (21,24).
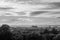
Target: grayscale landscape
(29,19)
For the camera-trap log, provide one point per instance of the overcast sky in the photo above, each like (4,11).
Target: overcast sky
(30,13)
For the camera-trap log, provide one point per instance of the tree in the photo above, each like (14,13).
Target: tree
(5,33)
(5,27)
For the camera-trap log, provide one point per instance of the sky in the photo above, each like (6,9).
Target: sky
(30,12)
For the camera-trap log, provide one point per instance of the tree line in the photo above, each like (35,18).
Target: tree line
(48,33)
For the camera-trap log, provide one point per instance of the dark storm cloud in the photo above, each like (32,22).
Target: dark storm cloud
(38,13)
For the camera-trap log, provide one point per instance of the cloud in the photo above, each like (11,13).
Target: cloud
(49,1)
(38,13)
(55,5)
(15,8)
(29,14)
(48,15)
(25,19)
(6,8)
(4,20)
